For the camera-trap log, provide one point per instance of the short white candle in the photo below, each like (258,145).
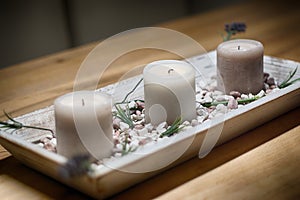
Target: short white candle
(240,66)
(169,91)
(84,124)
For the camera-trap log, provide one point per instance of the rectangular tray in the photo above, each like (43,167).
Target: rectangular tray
(120,173)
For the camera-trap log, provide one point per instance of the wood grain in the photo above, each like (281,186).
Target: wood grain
(257,174)
(31,85)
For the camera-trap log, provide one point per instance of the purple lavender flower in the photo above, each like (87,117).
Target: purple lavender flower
(234,28)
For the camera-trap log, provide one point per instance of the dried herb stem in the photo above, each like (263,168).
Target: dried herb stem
(124,115)
(174,128)
(13,124)
(240,101)
(287,81)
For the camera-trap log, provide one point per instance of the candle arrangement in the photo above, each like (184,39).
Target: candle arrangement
(88,126)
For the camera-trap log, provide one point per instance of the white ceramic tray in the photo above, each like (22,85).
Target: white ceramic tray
(133,168)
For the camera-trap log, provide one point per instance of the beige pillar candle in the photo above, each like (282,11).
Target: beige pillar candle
(169,89)
(240,66)
(84,124)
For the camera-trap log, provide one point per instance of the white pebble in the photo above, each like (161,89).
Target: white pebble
(134,143)
(119,146)
(194,122)
(261,94)
(40,144)
(162,125)
(53,141)
(161,130)
(232,103)
(143,132)
(200,119)
(149,127)
(186,123)
(124,126)
(132,104)
(244,96)
(221,108)
(220,98)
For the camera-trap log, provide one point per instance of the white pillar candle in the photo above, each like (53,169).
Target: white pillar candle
(169,91)
(240,66)
(84,124)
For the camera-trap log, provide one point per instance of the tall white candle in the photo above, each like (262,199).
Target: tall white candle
(169,91)
(240,66)
(84,124)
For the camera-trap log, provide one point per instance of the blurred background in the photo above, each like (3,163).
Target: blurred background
(34,28)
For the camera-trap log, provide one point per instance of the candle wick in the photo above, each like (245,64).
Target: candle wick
(239,47)
(170,70)
(82,101)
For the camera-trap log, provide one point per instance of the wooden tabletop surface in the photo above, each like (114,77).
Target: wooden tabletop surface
(260,164)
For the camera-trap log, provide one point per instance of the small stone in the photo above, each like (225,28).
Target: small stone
(250,96)
(143,132)
(232,103)
(186,123)
(49,147)
(160,130)
(162,125)
(261,94)
(266,76)
(45,140)
(132,104)
(40,144)
(271,81)
(149,127)
(200,119)
(244,96)
(266,86)
(132,133)
(235,94)
(116,123)
(199,97)
(138,127)
(137,112)
(119,146)
(124,126)
(53,141)
(221,108)
(220,98)
(194,122)
(134,143)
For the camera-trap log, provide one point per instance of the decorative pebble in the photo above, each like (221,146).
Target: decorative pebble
(132,104)
(143,132)
(162,125)
(235,94)
(261,94)
(271,81)
(232,103)
(194,122)
(244,96)
(124,126)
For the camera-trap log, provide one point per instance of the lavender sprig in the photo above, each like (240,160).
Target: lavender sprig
(233,28)
(13,124)
(76,166)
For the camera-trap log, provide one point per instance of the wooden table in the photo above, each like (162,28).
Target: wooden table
(262,163)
